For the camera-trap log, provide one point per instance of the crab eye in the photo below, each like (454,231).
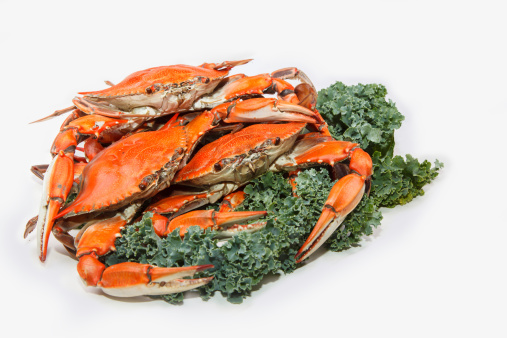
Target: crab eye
(217,167)
(277,141)
(146,182)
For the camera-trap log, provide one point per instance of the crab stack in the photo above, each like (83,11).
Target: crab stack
(168,140)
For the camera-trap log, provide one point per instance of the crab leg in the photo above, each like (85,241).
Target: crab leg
(292,73)
(343,198)
(56,113)
(134,279)
(39,170)
(292,181)
(95,108)
(226,222)
(313,149)
(178,204)
(265,110)
(56,186)
(128,279)
(226,65)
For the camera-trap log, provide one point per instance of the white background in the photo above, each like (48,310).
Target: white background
(435,268)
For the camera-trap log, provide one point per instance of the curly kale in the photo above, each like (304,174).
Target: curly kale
(361,114)
(396,181)
(355,113)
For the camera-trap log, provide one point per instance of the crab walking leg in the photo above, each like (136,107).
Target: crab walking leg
(39,170)
(94,108)
(343,198)
(56,113)
(128,279)
(225,222)
(225,65)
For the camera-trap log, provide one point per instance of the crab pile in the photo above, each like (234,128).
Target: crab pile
(169,140)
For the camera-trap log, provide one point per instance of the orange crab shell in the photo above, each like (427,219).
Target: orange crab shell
(151,80)
(252,149)
(128,170)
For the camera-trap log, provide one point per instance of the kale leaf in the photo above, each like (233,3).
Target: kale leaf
(396,181)
(361,114)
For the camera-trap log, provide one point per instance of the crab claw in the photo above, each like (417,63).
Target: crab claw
(263,110)
(134,279)
(225,222)
(56,187)
(343,198)
(178,204)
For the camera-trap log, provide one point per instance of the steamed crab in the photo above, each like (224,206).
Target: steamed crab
(133,152)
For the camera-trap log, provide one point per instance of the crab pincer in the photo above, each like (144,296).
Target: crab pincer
(128,279)
(56,187)
(225,222)
(263,110)
(342,199)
